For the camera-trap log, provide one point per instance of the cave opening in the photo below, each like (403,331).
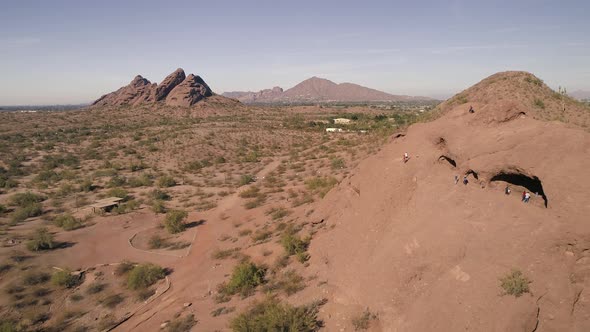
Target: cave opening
(532,183)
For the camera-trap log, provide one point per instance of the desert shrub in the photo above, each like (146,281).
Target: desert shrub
(65,278)
(67,222)
(363,321)
(116,181)
(289,282)
(112,301)
(181,324)
(86,186)
(278,213)
(223,254)
(157,242)
(219,160)
(118,192)
(41,239)
(244,279)
(222,311)
(144,275)
(96,287)
(246,179)
(159,195)
(143,180)
(9,326)
(337,163)
(158,206)
(22,213)
(539,103)
(2,209)
(166,181)
(123,268)
(35,278)
(25,199)
(174,221)
(76,297)
(251,192)
(126,207)
(293,244)
(254,203)
(534,80)
(515,283)
(261,235)
(245,232)
(145,294)
(272,315)
(320,185)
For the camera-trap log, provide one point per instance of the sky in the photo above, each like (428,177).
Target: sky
(69,52)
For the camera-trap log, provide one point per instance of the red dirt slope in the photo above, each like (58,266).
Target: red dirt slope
(426,254)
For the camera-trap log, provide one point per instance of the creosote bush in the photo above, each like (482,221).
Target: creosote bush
(294,245)
(144,275)
(515,283)
(64,278)
(272,315)
(166,181)
(244,279)
(174,221)
(67,222)
(41,239)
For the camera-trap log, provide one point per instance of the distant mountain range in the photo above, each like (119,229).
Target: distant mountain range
(317,89)
(580,94)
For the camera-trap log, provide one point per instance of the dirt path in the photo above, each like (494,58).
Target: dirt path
(191,279)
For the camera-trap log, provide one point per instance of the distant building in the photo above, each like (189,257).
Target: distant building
(334,130)
(342,121)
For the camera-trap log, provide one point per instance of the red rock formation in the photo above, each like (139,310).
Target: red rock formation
(139,91)
(169,83)
(190,91)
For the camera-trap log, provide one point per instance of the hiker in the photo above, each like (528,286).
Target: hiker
(527,196)
(523,195)
(465,181)
(471,109)
(456,179)
(507,190)
(406,157)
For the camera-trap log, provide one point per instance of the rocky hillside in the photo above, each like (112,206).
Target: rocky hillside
(317,89)
(511,93)
(407,241)
(175,90)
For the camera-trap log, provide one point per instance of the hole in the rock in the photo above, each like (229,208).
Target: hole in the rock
(448,159)
(532,183)
(473,173)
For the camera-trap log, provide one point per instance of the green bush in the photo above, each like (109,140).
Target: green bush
(539,103)
(67,222)
(251,192)
(515,283)
(22,213)
(363,321)
(142,181)
(246,179)
(2,209)
(320,185)
(159,195)
(244,279)
(118,192)
(181,324)
(158,206)
(144,275)
(116,181)
(174,221)
(338,163)
(272,315)
(157,242)
(166,181)
(41,239)
(293,244)
(64,278)
(25,199)
(123,268)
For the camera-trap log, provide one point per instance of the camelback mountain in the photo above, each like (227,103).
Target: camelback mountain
(317,89)
(426,252)
(176,89)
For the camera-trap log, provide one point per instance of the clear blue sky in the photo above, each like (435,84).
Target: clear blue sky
(75,51)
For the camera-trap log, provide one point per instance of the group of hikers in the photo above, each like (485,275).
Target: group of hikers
(526,196)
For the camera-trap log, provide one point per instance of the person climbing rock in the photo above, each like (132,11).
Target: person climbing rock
(527,196)
(456,179)
(406,157)
(507,190)
(523,195)
(471,109)
(465,181)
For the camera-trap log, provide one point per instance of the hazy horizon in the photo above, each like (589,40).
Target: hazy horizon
(67,52)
